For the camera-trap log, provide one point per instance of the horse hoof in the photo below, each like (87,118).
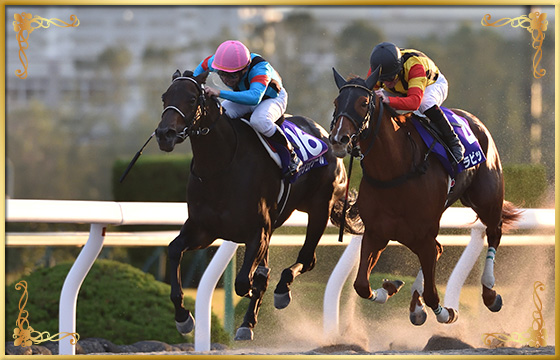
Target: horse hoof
(453,316)
(186,326)
(243,334)
(281,301)
(497,305)
(419,316)
(392,286)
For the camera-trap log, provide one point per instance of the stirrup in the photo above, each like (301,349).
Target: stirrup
(294,166)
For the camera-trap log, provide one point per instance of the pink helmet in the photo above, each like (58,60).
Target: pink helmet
(231,56)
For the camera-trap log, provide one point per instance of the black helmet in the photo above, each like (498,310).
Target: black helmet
(388,55)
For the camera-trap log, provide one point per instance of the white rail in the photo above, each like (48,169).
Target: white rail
(102,213)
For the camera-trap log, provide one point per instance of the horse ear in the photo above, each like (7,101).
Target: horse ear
(201,79)
(338,79)
(176,74)
(187,73)
(373,78)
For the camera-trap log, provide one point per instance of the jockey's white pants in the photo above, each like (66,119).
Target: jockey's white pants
(434,94)
(264,114)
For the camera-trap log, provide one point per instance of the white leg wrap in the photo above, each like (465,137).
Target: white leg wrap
(488,279)
(418,284)
(380,296)
(442,314)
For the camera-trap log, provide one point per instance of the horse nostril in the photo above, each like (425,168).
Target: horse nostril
(345,139)
(170,133)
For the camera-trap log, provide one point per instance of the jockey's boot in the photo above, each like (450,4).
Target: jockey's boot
(295,162)
(447,133)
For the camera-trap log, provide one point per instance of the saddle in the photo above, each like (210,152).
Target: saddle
(308,148)
(473,152)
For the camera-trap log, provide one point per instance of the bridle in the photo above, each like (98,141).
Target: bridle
(197,115)
(362,125)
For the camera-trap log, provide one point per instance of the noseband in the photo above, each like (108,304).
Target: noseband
(362,125)
(198,114)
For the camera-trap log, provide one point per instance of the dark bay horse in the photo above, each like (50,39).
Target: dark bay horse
(233,192)
(404,191)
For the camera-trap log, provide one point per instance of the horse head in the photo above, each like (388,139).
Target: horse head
(183,106)
(352,110)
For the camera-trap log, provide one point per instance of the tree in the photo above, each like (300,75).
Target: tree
(354,45)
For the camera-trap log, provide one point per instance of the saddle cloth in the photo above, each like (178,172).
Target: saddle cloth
(473,153)
(308,148)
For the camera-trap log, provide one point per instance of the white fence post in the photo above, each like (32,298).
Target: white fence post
(203,303)
(72,284)
(464,266)
(331,302)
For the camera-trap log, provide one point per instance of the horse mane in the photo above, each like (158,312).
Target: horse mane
(355,79)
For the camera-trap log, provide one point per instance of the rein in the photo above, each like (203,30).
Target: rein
(416,170)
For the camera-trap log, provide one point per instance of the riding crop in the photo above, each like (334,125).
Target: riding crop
(135,158)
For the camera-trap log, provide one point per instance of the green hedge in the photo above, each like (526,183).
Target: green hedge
(525,185)
(164,178)
(116,302)
(153,178)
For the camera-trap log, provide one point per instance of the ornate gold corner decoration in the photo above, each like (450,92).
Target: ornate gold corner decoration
(536,24)
(25,335)
(534,336)
(25,24)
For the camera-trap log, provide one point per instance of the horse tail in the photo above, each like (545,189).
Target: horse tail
(510,215)
(352,221)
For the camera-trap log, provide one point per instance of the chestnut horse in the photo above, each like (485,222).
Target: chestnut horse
(404,191)
(233,194)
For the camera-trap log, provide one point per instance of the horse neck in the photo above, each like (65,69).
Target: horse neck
(214,151)
(391,153)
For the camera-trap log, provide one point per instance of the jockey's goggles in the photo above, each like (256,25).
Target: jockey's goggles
(230,75)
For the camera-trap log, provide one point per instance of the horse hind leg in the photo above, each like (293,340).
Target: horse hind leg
(260,284)
(490,297)
(495,222)
(256,250)
(306,259)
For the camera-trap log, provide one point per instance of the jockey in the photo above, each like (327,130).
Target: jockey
(416,83)
(255,88)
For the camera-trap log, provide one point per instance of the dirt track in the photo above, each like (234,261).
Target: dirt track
(548,350)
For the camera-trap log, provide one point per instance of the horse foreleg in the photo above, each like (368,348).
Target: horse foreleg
(428,256)
(370,252)
(306,257)
(184,320)
(492,300)
(260,284)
